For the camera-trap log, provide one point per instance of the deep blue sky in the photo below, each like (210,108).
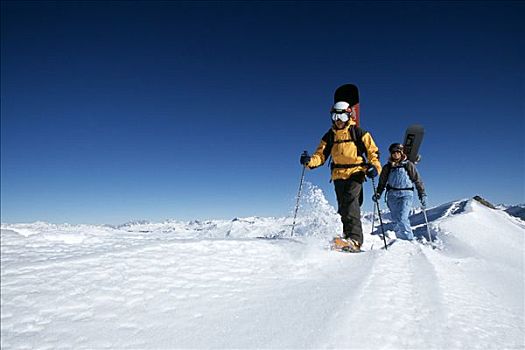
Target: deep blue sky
(113,111)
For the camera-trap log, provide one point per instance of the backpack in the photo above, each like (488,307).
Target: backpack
(388,170)
(356,134)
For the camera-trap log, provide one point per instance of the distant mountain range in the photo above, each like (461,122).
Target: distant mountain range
(517,211)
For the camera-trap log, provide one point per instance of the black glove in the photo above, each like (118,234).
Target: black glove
(371,172)
(376,197)
(305,158)
(423,200)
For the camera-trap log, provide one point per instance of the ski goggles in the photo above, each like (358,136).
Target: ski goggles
(343,116)
(397,149)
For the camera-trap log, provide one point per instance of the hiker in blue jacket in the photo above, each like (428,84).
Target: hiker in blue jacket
(399,176)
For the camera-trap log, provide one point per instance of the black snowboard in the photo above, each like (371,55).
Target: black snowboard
(413,138)
(349,93)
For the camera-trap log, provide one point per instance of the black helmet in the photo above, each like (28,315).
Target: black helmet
(395,147)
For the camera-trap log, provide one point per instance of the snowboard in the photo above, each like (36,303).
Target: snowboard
(349,93)
(413,138)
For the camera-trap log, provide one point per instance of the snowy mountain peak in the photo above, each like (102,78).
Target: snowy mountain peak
(484,202)
(216,284)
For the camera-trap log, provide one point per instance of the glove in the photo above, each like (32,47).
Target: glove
(371,172)
(376,197)
(305,158)
(423,200)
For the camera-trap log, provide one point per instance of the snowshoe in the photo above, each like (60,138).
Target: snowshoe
(345,245)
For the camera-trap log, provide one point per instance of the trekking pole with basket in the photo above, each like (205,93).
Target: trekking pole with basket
(379,215)
(298,196)
(426,224)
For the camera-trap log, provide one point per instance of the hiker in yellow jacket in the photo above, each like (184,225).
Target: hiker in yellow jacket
(350,147)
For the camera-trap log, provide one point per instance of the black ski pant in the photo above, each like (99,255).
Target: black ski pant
(349,194)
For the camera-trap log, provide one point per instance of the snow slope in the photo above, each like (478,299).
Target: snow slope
(516,210)
(214,284)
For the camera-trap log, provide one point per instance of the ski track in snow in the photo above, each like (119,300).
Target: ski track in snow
(401,310)
(136,290)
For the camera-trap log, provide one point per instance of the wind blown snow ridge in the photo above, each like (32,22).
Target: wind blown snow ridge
(215,284)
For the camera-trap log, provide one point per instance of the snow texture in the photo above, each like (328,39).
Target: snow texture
(221,284)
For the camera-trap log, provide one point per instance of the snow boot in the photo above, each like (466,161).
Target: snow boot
(345,245)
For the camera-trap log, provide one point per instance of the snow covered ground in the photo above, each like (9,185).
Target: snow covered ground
(215,284)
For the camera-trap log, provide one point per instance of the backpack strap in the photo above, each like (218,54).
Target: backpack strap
(329,139)
(357,135)
(404,166)
(390,188)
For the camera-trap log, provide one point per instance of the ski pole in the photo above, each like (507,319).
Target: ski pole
(379,214)
(382,228)
(373,218)
(298,197)
(374,212)
(426,223)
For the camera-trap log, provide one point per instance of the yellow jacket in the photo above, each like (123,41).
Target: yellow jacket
(344,153)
